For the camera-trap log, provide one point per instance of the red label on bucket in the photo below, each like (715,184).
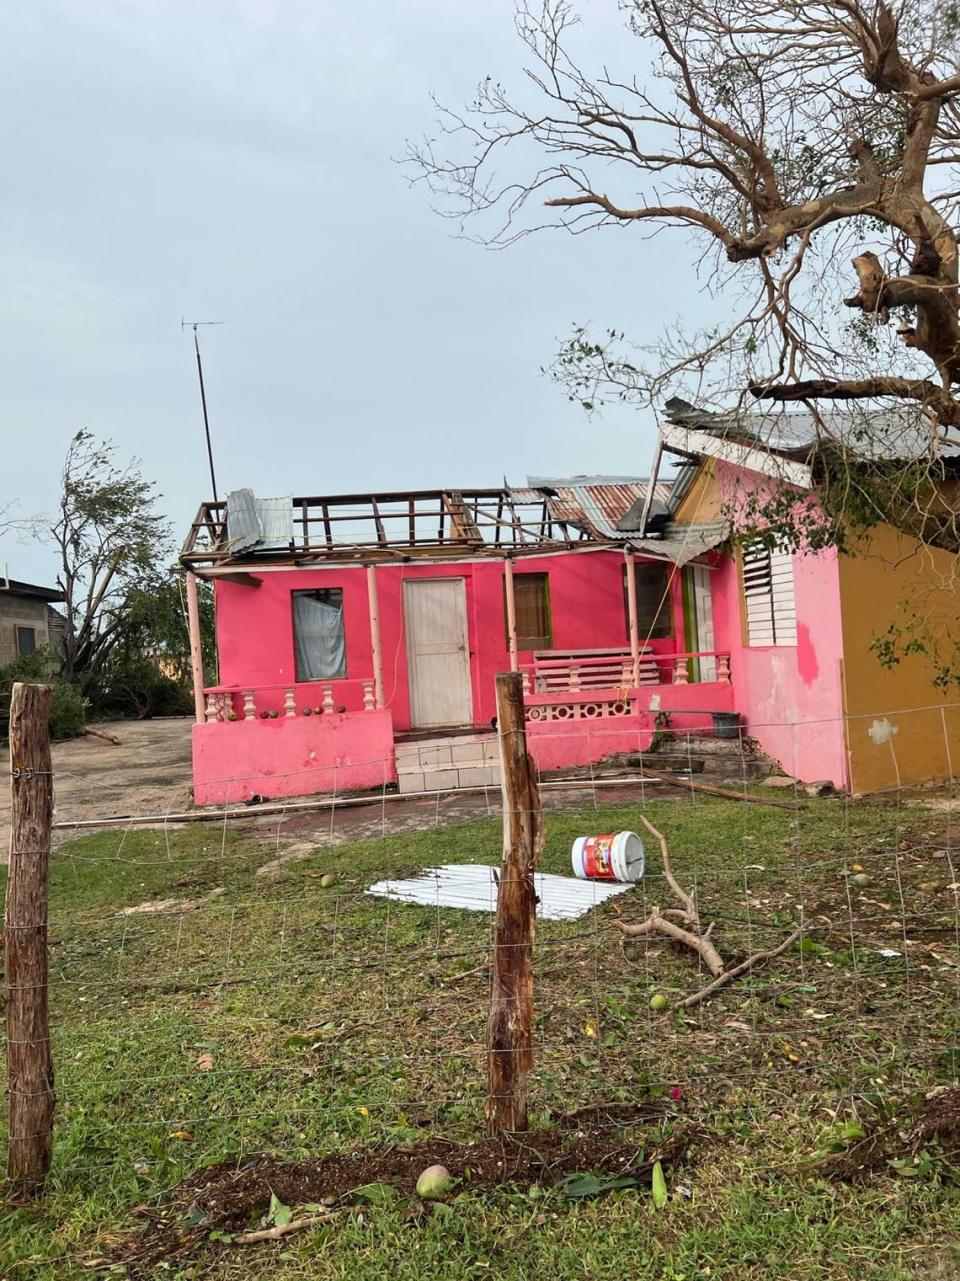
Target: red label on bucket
(598,857)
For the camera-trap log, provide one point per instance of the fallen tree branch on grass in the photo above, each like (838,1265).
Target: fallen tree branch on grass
(758,958)
(692,933)
(281,1230)
(710,789)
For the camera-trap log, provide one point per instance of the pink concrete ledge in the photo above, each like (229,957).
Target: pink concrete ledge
(292,756)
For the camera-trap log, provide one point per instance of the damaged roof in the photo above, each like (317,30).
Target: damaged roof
(897,434)
(548,513)
(606,507)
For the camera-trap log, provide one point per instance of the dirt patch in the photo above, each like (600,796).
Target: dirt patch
(233,1195)
(149,773)
(933,1124)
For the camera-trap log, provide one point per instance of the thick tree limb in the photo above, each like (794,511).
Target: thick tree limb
(918,389)
(657,924)
(794,220)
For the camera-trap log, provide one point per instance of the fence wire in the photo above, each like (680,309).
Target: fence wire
(227,988)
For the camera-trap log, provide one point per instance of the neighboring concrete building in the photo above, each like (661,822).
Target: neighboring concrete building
(25,619)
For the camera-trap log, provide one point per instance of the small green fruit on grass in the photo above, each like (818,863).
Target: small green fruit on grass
(434,1183)
(326,880)
(658,1001)
(861,880)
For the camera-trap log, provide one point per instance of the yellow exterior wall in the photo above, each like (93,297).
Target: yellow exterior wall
(703,501)
(901,728)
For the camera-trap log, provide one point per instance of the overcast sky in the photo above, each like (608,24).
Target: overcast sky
(234,160)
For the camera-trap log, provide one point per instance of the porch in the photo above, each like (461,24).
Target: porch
(581,707)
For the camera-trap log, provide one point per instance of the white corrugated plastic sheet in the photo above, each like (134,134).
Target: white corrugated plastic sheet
(471,887)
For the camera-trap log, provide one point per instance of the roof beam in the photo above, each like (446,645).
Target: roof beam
(699,444)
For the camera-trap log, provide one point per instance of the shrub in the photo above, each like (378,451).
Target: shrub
(68,711)
(135,686)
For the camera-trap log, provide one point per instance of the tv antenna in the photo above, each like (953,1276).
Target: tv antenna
(195,325)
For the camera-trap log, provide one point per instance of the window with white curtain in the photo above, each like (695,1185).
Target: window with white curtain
(318,635)
(768,595)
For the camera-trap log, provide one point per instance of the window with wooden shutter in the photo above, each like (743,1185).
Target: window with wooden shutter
(531,593)
(768,595)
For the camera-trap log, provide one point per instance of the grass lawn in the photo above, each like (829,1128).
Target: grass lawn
(285,1018)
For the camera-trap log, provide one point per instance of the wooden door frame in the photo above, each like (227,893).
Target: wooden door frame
(468,658)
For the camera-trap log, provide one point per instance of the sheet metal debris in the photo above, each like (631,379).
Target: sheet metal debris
(471,887)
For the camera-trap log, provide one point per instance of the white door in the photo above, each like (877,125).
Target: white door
(435,614)
(703,605)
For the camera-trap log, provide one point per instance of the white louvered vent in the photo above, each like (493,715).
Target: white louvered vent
(769,596)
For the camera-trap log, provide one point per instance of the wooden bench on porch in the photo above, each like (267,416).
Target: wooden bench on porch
(563,670)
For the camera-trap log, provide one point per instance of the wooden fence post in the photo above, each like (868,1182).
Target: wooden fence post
(510,1029)
(29,1059)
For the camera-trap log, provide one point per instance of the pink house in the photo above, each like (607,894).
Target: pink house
(358,636)
(800,625)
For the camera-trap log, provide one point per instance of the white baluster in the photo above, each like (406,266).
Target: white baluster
(249,707)
(289,703)
(211,708)
(680,672)
(327,698)
(525,677)
(369,702)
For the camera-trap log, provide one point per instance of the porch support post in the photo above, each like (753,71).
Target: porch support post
(511,614)
(632,616)
(196,651)
(375,645)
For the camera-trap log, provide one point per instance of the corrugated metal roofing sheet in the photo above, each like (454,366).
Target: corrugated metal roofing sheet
(262,523)
(876,435)
(599,505)
(684,543)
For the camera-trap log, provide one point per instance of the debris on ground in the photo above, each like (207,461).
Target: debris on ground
(171,904)
(928,1132)
(473,888)
(219,1201)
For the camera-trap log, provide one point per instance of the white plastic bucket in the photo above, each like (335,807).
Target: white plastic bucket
(616,857)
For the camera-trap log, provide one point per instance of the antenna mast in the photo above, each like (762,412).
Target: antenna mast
(194,324)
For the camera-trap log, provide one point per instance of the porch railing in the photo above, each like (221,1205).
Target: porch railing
(271,702)
(556,671)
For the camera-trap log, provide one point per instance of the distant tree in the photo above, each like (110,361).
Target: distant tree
(148,669)
(112,544)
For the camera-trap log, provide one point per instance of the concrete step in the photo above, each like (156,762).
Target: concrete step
(471,751)
(444,779)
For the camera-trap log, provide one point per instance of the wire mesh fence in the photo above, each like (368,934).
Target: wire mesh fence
(231,987)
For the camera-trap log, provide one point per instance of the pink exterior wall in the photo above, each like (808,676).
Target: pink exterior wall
(353,749)
(790,696)
(291,756)
(255,627)
(580,742)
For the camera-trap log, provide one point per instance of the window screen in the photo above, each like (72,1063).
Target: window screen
(26,641)
(654,599)
(768,595)
(319,636)
(531,593)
